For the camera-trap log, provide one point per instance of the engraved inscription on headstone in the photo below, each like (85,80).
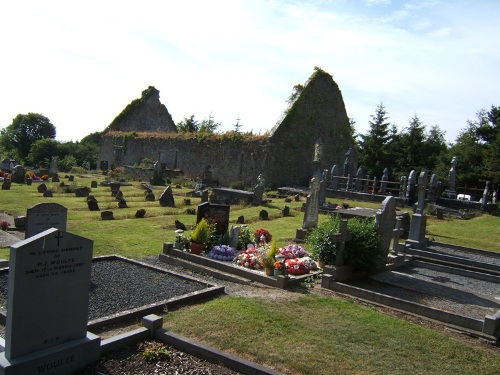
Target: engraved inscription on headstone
(44,216)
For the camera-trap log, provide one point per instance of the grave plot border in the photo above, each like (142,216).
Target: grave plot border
(227,270)
(210,292)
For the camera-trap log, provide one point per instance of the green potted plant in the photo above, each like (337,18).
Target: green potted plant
(268,259)
(319,241)
(200,237)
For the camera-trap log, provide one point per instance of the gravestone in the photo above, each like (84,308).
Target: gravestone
(263,215)
(385,221)
(167,197)
(349,162)
(416,237)
(312,205)
(359,179)
(383,182)
(322,192)
(6,185)
(42,188)
(47,306)
(119,195)
(140,213)
(285,211)
(157,178)
(48,193)
(217,213)
(71,178)
(107,215)
(204,196)
(115,188)
(93,184)
(44,216)
(53,170)
(432,193)
(258,191)
(410,188)
(82,192)
(55,179)
(452,176)
(150,197)
(92,203)
(334,178)
(18,174)
(122,203)
(240,220)
(29,181)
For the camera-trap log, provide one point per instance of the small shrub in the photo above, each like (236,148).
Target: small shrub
(154,351)
(238,185)
(363,252)
(320,243)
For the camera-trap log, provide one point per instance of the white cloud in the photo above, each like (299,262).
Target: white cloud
(80,64)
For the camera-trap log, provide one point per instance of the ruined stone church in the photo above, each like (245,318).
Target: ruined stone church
(313,135)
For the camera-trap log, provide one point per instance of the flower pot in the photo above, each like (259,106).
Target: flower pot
(196,248)
(269,271)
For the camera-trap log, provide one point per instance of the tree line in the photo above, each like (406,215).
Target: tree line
(30,138)
(477,148)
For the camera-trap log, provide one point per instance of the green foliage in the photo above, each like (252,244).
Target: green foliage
(209,125)
(188,125)
(363,251)
(42,151)
(319,241)
(238,185)
(154,350)
(269,259)
(24,131)
(245,237)
(92,138)
(67,163)
(134,104)
(201,233)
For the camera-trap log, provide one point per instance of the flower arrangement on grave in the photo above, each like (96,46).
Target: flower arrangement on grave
(249,258)
(297,266)
(45,177)
(244,238)
(268,252)
(222,252)
(293,251)
(262,235)
(4,225)
(33,176)
(345,204)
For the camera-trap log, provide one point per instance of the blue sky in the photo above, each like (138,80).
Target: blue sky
(81,63)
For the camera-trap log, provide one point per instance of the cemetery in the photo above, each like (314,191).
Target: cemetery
(313,257)
(417,260)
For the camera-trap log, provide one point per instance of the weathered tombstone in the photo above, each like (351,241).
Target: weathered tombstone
(234,233)
(107,215)
(374,186)
(187,202)
(71,178)
(20,222)
(416,236)
(296,197)
(119,195)
(359,179)
(322,192)
(29,181)
(42,188)
(48,194)
(115,187)
(258,191)
(402,186)
(150,197)
(140,213)
(53,170)
(334,182)
(6,185)
(410,188)
(167,197)
(431,194)
(263,215)
(18,174)
(122,203)
(104,167)
(349,162)
(44,216)
(240,220)
(55,178)
(285,211)
(348,185)
(93,184)
(157,178)
(92,203)
(385,220)
(5,164)
(47,306)
(383,182)
(452,176)
(204,196)
(312,206)
(486,195)
(82,192)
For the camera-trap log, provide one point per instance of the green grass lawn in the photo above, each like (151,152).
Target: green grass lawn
(310,334)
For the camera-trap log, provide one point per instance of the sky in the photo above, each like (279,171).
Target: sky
(81,63)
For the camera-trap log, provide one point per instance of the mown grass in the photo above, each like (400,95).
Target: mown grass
(323,335)
(305,335)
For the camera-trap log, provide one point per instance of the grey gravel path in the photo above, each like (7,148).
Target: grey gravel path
(493,258)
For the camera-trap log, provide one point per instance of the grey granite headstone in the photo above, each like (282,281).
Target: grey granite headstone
(166,198)
(43,216)
(311,213)
(47,305)
(385,220)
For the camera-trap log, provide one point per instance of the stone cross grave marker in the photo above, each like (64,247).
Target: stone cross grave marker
(341,238)
(44,216)
(312,205)
(47,305)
